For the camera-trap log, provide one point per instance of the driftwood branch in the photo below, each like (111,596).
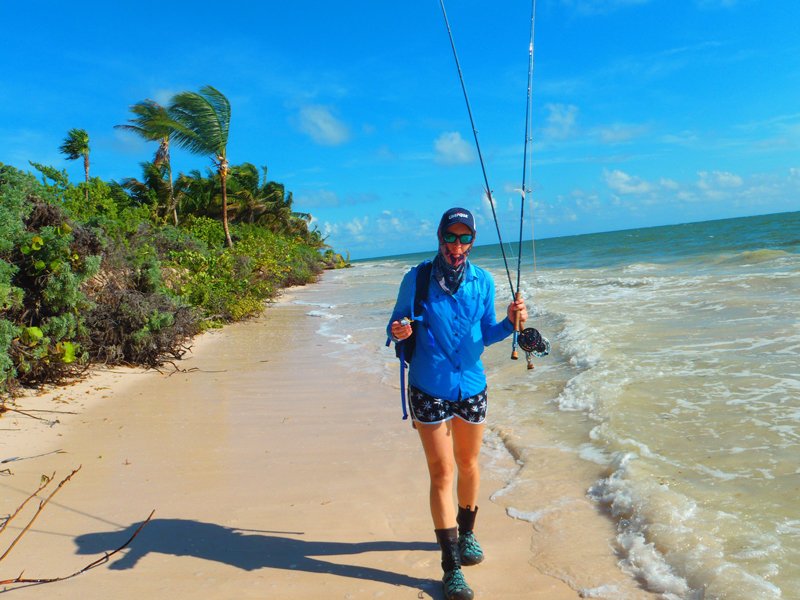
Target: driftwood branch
(91,565)
(42,504)
(45,482)
(54,412)
(16,458)
(21,412)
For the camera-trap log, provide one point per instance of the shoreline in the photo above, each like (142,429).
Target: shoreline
(271,470)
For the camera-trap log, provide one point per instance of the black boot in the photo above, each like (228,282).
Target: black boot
(468,547)
(455,588)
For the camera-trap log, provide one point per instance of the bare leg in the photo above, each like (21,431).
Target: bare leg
(437,441)
(467,440)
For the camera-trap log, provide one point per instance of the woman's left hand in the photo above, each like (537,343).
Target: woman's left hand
(517,307)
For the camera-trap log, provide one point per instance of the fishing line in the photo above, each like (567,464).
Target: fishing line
(530,178)
(535,272)
(524,166)
(486,188)
(527,139)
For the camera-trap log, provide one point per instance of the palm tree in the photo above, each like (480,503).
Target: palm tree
(198,195)
(258,200)
(316,240)
(153,189)
(202,121)
(244,186)
(75,145)
(154,125)
(278,214)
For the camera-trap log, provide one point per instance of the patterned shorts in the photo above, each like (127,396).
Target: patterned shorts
(427,409)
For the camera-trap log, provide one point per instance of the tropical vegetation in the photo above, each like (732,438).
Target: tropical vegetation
(75,146)
(127,272)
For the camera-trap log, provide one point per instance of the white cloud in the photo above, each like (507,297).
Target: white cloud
(587,203)
(362,198)
(560,122)
(356,227)
(669,184)
(622,183)
(716,3)
(592,7)
(327,199)
(684,138)
(125,142)
(319,197)
(486,204)
(384,233)
(754,192)
(318,122)
(452,149)
(163,96)
(718,185)
(719,179)
(330,228)
(619,132)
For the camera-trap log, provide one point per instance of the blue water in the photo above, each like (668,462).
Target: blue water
(671,395)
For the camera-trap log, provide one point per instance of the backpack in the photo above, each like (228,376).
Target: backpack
(404,349)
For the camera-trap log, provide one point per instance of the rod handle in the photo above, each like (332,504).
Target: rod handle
(517,322)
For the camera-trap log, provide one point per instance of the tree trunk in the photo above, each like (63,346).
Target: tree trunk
(172,202)
(223,173)
(86,168)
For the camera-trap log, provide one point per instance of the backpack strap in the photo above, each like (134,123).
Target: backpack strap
(421,287)
(421,296)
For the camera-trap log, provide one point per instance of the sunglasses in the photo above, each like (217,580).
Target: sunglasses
(465,238)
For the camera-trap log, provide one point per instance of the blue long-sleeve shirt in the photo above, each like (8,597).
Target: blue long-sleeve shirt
(461,326)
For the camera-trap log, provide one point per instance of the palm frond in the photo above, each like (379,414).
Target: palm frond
(76,144)
(203,121)
(153,189)
(151,122)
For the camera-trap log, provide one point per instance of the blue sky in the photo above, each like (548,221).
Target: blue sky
(644,112)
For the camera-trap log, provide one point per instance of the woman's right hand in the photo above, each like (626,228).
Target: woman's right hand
(400,332)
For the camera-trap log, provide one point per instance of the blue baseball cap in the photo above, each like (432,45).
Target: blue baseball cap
(457,215)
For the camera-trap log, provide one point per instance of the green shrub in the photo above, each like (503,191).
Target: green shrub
(106,280)
(204,229)
(40,277)
(233,283)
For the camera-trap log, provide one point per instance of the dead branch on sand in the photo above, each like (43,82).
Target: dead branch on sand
(45,482)
(16,458)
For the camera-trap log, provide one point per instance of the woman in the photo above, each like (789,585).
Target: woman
(446,380)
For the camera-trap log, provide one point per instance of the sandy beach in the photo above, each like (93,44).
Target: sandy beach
(273,472)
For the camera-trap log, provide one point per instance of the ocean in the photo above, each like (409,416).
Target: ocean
(674,373)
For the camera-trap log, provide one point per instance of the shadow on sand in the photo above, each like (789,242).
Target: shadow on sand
(248,550)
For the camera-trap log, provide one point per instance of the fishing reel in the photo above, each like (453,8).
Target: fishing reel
(533,343)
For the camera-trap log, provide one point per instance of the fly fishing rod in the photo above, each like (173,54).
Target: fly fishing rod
(486,188)
(518,324)
(530,340)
